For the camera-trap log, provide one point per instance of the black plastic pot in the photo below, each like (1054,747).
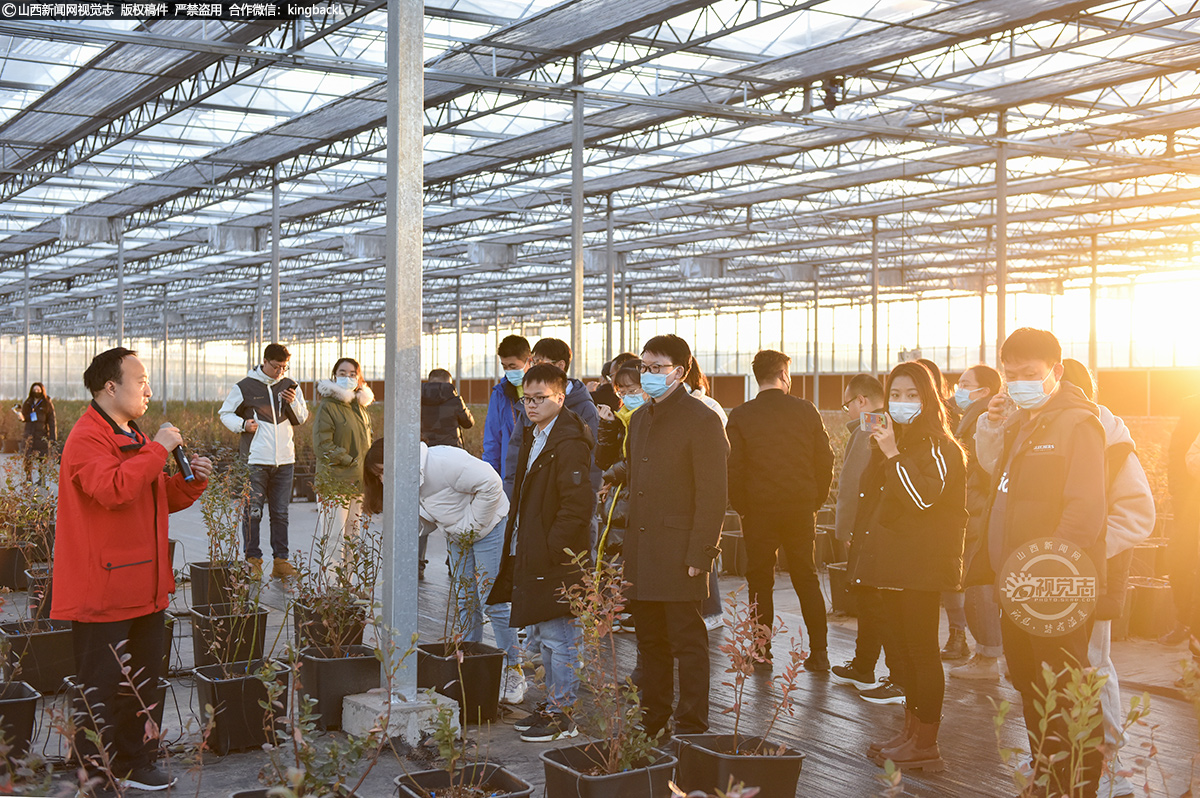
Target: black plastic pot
(234,693)
(13,562)
(477,691)
(489,779)
(40,653)
(707,762)
(219,636)
(1153,610)
(311,630)
(329,679)
(211,582)
(18,708)
(567,776)
(40,580)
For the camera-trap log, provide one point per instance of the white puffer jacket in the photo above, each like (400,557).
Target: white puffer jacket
(1130,502)
(460,494)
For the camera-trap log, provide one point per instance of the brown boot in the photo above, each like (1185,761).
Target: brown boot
(283,569)
(906,731)
(919,752)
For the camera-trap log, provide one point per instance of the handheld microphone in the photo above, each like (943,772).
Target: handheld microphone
(181,458)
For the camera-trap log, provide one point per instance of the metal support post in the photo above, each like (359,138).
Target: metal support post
(458,331)
(875,296)
(275,293)
(121,286)
(816,337)
(1001,229)
(25,357)
(166,343)
(1093,298)
(609,256)
(577,365)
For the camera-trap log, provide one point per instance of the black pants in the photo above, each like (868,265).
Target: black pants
(765,535)
(869,641)
(109,703)
(1026,654)
(910,636)
(1183,549)
(668,631)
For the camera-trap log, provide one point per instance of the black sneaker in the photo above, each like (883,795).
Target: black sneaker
(884,693)
(554,726)
(817,661)
(847,674)
(149,778)
(534,718)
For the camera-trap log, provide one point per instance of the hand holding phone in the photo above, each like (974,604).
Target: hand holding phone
(869,421)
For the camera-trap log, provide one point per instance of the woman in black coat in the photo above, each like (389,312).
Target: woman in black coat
(40,429)
(911,522)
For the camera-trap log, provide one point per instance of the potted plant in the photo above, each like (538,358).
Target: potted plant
(236,703)
(222,505)
(707,761)
(469,672)
(234,628)
(620,759)
(458,777)
(40,652)
(334,597)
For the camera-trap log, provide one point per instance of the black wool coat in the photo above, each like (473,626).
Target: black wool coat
(678,492)
(443,412)
(551,511)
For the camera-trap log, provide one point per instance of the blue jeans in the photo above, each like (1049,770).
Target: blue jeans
(483,560)
(955,602)
(983,617)
(559,638)
(271,485)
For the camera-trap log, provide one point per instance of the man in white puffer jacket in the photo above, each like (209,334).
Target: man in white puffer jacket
(464,497)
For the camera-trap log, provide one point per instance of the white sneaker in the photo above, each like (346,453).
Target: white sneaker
(514,686)
(714,622)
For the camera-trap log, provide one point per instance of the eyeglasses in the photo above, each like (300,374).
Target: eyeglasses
(656,368)
(846,404)
(280,367)
(536,401)
(627,392)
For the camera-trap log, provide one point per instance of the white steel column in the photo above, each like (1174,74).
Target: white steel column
(875,297)
(275,293)
(1001,230)
(609,256)
(121,286)
(1093,297)
(402,408)
(577,366)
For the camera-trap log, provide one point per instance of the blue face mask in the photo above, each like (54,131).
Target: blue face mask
(655,385)
(633,401)
(347,383)
(904,412)
(515,376)
(1029,394)
(962,398)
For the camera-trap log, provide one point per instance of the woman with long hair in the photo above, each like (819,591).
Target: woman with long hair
(911,523)
(37,412)
(698,386)
(341,439)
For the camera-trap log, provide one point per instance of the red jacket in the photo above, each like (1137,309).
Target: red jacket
(110,546)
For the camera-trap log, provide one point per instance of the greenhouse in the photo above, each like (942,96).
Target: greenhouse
(390,189)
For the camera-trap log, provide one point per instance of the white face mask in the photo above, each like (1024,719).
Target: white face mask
(347,383)
(904,412)
(1029,394)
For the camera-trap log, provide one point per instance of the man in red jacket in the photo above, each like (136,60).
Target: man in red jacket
(111,574)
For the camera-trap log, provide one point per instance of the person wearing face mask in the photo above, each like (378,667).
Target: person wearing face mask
(864,394)
(504,405)
(975,389)
(909,530)
(780,470)
(444,414)
(677,497)
(341,440)
(264,407)
(612,455)
(40,429)
(1047,462)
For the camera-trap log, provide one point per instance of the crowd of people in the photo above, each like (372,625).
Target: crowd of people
(939,486)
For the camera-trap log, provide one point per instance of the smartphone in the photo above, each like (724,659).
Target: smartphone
(869,421)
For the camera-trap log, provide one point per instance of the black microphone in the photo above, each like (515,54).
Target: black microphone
(181,458)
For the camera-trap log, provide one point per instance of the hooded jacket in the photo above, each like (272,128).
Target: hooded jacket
(911,517)
(1050,470)
(443,413)
(259,397)
(579,402)
(459,493)
(504,410)
(342,432)
(551,512)
(110,541)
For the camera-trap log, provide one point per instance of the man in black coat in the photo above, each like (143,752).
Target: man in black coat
(443,411)
(677,498)
(551,512)
(780,469)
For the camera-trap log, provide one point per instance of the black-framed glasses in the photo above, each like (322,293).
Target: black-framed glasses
(536,401)
(846,404)
(655,368)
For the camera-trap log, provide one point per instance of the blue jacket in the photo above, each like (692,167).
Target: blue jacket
(579,402)
(502,412)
